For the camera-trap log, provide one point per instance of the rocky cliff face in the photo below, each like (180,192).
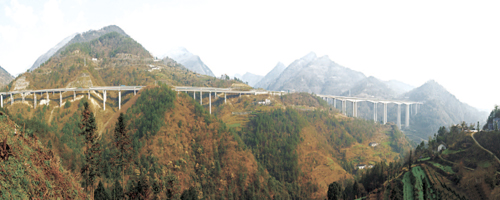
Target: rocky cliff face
(318,75)
(189,60)
(271,76)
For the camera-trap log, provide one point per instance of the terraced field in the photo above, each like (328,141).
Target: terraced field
(440,184)
(446,168)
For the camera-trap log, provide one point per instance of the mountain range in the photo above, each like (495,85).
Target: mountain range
(440,108)
(251,79)
(76,38)
(189,60)
(271,76)
(318,75)
(5,77)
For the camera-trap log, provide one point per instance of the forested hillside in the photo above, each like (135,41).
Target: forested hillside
(166,145)
(450,166)
(31,170)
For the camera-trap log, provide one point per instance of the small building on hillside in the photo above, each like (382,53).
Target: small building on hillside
(441,147)
(264,102)
(370,166)
(372,144)
(361,166)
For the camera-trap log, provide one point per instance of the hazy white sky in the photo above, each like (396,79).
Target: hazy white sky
(457,43)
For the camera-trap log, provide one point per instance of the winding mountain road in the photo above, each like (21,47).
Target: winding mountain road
(498,160)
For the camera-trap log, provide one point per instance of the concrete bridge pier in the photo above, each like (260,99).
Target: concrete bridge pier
(210,101)
(74,95)
(11,99)
(334,103)
(1,98)
(354,109)
(194,95)
(104,100)
(385,113)
(240,95)
(22,96)
(48,100)
(60,98)
(89,94)
(215,95)
(201,98)
(375,112)
(136,92)
(225,98)
(119,100)
(34,100)
(407,115)
(399,116)
(344,109)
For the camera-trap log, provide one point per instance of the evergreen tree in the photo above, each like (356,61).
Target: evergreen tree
(100,193)
(355,189)
(478,126)
(90,168)
(123,145)
(409,162)
(117,192)
(189,194)
(334,191)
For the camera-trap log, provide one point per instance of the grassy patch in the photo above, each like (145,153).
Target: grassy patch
(424,159)
(444,168)
(407,187)
(449,151)
(234,125)
(485,164)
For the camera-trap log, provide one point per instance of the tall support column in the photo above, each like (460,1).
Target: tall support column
(1,98)
(416,108)
(344,107)
(225,98)
(135,92)
(201,98)
(34,97)
(399,116)
(11,99)
(334,103)
(354,109)
(119,100)
(60,98)
(104,100)
(22,96)
(48,100)
(215,95)
(74,95)
(210,101)
(375,112)
(89,94)
(194,95)
(385,113)
(240,95)
(407,115)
